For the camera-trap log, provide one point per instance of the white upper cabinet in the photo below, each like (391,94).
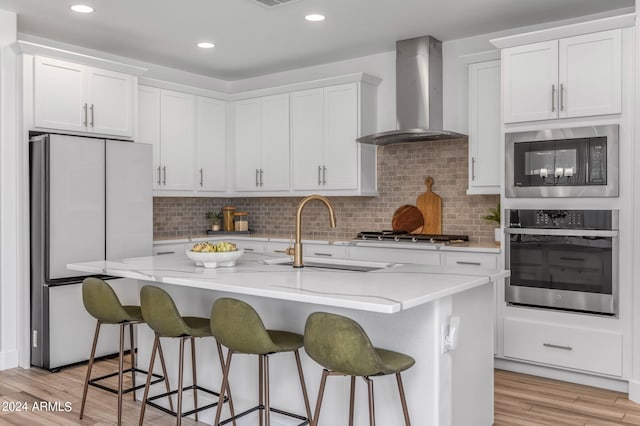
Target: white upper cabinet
(176,140)
(149,127)
(262,144)
(79,98)
(590,73)
(211,145)
(571,77)
(485,140)
(325,124)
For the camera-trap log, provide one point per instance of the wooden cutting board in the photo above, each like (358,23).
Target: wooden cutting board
(407,219)
(430,204)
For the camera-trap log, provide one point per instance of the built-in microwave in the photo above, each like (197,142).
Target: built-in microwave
(571,162)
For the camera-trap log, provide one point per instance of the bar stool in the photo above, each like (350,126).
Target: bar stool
(342,347)
(238,326)
(161,315)
(103,304)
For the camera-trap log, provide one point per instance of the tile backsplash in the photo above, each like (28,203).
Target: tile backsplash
(401,173)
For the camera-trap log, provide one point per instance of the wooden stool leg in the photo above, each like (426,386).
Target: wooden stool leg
(89,367)
(156,344)
(372,413)
(352,399)
(303,384)
(323,381)
(164,373)
(261,389)
(225,383)
(132,352)
(403,400)
(194,375)
(267,412)
(120,372)
(180,382)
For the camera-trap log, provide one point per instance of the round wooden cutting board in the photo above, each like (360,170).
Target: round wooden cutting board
(407,219)
(430,205)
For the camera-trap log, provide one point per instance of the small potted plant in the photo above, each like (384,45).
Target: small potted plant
(494,217)
(215,218)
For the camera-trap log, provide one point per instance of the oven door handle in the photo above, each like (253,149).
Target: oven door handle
(562,232)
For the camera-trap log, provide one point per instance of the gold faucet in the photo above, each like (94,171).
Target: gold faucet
(296,251)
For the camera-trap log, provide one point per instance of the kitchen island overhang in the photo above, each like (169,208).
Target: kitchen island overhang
(404,307)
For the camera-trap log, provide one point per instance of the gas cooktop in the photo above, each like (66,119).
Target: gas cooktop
(399,236)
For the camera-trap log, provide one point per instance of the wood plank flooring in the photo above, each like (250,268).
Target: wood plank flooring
(520,400)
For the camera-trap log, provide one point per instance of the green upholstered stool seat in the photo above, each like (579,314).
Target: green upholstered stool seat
(102,303)
(237,326)
(341,346)
(162,316)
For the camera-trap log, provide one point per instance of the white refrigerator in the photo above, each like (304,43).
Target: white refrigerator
(90,199)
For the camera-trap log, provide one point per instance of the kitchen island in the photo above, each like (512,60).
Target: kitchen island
(403,307)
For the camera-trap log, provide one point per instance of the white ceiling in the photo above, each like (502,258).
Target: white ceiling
(252,39)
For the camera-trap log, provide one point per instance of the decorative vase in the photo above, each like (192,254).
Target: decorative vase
(215,226)
(497,235)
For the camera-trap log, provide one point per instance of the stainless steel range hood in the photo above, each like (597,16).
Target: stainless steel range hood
(418,94)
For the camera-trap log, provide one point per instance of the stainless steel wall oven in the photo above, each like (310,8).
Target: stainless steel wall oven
(563,259)
(573,162)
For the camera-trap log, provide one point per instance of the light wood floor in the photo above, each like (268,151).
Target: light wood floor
(519,400)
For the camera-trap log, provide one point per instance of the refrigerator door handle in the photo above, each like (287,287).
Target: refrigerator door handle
(86,119)
(92,115)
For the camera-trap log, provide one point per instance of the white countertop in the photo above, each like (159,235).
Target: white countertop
(390,290)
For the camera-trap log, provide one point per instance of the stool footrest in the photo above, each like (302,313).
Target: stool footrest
(305,421)
(186,413)
(93,382)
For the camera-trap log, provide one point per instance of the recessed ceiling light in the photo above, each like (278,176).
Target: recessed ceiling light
(206,45)
(82,8)
(314,17)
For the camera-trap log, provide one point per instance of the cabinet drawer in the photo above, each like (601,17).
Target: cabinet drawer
(168,248)
(596,351)
(471,260)
(422,257)
(325,250)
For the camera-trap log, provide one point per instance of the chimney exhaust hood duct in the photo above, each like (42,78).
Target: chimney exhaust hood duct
(418,94)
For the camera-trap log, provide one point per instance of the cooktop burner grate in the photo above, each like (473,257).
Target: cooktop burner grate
(400,236)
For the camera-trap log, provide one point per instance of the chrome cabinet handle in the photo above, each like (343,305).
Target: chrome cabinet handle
(473,168)
(261,172)
(257,178)
(159,175)
(201,176)
(323,254)
(324,175)
(92,115)
(165,252)
(319,175)
(553,98)
(248,249)
(549,345)
(561,97)
(84,123)
(462,262)
(164,175)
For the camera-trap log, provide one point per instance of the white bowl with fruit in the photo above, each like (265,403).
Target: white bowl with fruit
(213,255)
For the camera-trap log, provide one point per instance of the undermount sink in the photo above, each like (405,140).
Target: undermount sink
(338,264)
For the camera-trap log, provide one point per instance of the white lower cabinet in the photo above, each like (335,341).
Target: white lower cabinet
(471,260)
(589,350)
(393,255)
(324,250)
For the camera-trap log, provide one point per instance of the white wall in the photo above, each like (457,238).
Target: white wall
(8,195)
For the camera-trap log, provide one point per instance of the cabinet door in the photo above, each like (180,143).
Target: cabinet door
(110,100)
(484,128)
(247,146)
(307,138)
(590,74)
(274,148)
(530,75)
(60,91)
(176,139)
(211,145)
(149,127)
(340,150)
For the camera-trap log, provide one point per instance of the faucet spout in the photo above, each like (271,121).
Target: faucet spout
(297,247)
